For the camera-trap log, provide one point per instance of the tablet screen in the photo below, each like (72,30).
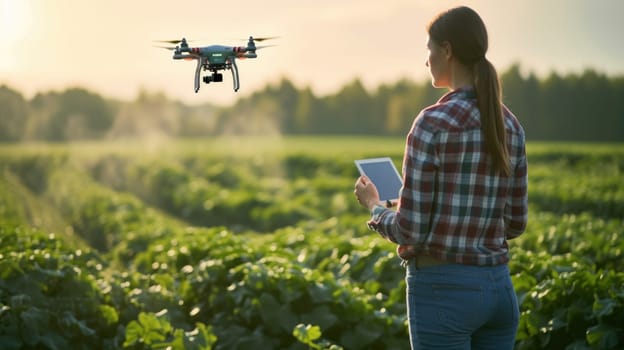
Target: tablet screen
(383,174)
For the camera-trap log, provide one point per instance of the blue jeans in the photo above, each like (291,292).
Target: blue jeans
(461,307)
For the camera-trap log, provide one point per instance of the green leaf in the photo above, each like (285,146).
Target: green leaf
(8,268)
(314,332)
(71,322)
(200,338)
(20,302)
(154,329)
(36,322)
(307,334)
(361,336)
(109,314)
(604,307)
(603,336)
(320,293)
(134,332)
(578,345)
(275,315)
(179,340)
(321,316)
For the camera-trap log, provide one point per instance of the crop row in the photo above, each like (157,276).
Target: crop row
(166,252)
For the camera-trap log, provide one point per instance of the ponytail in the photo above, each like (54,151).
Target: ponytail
(465,31)
(488,91)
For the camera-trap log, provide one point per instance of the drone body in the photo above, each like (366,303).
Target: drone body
(215,58)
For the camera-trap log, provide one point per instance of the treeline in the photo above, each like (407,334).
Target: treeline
(79,114)
(574,107)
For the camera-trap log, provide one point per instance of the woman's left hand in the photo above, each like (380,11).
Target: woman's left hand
(366,192)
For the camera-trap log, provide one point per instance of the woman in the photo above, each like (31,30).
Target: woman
(464,195)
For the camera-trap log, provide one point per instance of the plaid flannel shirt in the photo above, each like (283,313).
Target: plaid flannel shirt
(452,205)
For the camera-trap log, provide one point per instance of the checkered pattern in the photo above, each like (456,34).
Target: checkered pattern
(453,206)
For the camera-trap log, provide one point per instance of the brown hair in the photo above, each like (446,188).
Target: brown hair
(464,30)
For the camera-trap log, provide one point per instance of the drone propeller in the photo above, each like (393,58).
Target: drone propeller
(166,47)
(175,41)
(169,41)
(265,38)
(251,53)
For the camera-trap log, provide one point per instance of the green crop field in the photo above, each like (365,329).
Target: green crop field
(237,243)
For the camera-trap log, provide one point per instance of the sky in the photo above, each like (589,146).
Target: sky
(108,46)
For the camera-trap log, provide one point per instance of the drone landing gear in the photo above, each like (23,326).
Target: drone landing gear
(215,76)
(235,79)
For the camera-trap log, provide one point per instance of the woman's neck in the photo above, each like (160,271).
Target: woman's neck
(461,76)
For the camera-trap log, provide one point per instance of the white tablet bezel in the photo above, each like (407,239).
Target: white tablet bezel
(391,171)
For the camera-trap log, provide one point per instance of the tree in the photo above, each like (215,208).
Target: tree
(573,107)
(151,114)
(351,111)
(522,96)
(79,114)
(13,114)
(304,110)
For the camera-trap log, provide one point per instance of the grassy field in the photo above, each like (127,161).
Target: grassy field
(228,242)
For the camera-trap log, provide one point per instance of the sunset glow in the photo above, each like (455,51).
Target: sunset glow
(107,46)
(15,21)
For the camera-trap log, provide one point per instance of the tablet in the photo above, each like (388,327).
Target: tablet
(383,174)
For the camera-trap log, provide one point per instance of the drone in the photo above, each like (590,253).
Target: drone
(214,58)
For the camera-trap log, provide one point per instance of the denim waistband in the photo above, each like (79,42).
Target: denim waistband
(485,272)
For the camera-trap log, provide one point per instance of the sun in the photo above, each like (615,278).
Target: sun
(15,19)
(15,22)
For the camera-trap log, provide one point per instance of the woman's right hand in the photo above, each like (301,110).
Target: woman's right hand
(366,192)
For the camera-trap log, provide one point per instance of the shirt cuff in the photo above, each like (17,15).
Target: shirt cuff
(377,210)
(375,219)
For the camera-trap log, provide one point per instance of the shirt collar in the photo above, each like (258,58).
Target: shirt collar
(462,93)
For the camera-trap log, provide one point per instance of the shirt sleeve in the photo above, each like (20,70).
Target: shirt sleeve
(516,215)
(410,223)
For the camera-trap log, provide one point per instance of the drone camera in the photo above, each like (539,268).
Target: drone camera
(215,77)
